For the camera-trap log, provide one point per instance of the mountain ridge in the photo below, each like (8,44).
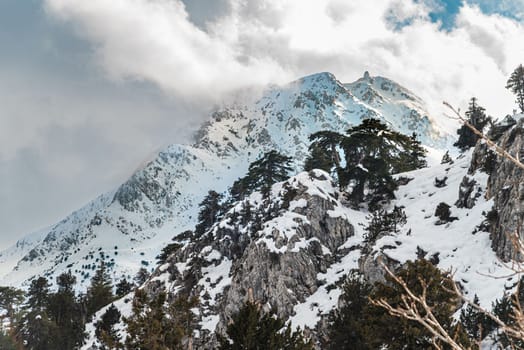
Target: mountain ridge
(129,225)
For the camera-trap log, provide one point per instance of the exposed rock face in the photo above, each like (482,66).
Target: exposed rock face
(505,186)
(276,246)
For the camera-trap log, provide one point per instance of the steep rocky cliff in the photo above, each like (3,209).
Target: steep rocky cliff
(505,185)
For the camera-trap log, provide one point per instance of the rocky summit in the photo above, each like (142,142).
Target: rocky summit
(291,246)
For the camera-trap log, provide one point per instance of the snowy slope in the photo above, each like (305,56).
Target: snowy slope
(460,246)
(129,226)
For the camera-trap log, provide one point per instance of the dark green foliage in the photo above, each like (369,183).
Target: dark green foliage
(516,85)
(167,251)
(443,212)
(67,313)
(475,322)
(123,287)
(361,325)
(104,328)
(36,328)
(400,333)
(210,211)
(349,329)
(382,222)
(318,159)
(253,330)
(446,159)
(372,153)
(272,167)
(6,341)
(39,332)
(324,151)
(38,294)
(10,300)
(154,325)
(477,118)
(141,276)
(100,292)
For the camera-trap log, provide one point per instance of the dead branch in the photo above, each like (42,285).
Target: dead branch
(499,150)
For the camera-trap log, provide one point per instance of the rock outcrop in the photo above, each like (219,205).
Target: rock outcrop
(505,186)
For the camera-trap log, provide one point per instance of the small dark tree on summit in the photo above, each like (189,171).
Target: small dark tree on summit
(516,85)
(272,167)
(210,211)
(477,118)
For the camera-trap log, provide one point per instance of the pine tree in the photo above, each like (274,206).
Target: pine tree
(157,326)
(477,118)
(210,211)
(123,287)
(475,322)
(253,330)
(141,276)
(38,294)
(399,333)
(105,330)
(348,328)
(67,313)
(516,85)
(100,292)
(324,152)
(373,153)
(318,159)
(10,300)
(272,167)
(36,329)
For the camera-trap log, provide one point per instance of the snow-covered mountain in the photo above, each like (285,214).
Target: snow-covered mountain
(295,248)
(129,226)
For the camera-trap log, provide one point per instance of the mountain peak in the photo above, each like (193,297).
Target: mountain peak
(161,199)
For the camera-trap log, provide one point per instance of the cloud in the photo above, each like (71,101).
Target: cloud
(258,42)
(62,120)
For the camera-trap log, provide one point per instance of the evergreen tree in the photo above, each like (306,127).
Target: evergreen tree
(10,300)
(272,167)
(399,333)
(105,330)
(373,153)
(157,326)
(324,151)
(100,292)
(167,251)
(475,322)
(141,276)
(36,329)
(38,332)
(67,313)
(252,330)
(123,287)
(348,328)
(477,118)
(516,85)
(38,294)
(318,159)
(443,212)
(210,211)
(382,222)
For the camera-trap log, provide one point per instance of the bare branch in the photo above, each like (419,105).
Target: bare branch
(499,150)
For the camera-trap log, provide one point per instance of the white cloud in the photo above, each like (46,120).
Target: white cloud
(258,42)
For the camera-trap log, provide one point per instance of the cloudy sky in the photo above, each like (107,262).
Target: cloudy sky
(89,90)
